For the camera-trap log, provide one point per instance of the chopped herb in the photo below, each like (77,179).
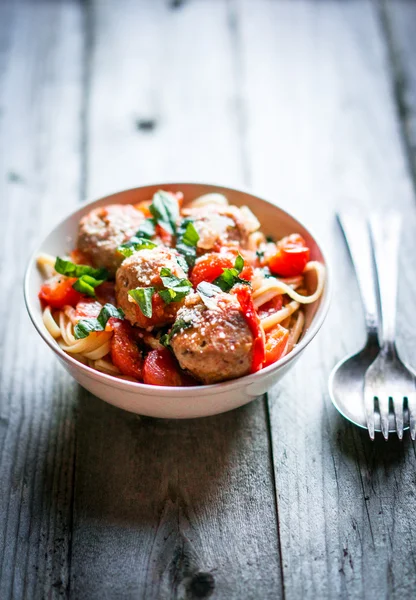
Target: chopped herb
(70,269)
(230,277)
(175,288)
(143,297)
(179,325)
(134,244)
(260,254)
(84,327)
(182,263)
(87,284)
(165,210)
(147,229)
(269,239)
(187,240)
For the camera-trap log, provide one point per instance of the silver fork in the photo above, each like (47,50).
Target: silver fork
(388,377)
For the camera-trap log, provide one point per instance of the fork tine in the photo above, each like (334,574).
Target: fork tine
(383,403)
(369,411)
(398,414)
(411,403)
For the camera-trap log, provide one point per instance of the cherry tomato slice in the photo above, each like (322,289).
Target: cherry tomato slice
(210,266)
(291,256)
(58,292)
(160,368)
(243,294)
(276,343)
(270,307)
(125,352)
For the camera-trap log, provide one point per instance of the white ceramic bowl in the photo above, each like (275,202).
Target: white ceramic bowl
(161,401)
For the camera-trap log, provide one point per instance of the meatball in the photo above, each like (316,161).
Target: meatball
(218,345)
(219,224)
(142,269)
(103,229)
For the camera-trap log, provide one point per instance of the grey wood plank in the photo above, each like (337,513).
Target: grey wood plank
(322,132)
(399,23)
(168,509)
(40,105)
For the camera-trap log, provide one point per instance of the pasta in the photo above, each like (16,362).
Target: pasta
(169,296)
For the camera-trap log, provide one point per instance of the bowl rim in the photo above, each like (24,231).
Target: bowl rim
(138,387)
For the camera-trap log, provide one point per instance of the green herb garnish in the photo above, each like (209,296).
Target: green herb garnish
(187,240)
(147,229)
(84,327)
(86,285)
(70,269)
(179,325)
(143,297)
(175,288)
(134,244)
(165,210)
(230,277)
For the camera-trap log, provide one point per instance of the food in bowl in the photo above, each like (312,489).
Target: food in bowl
(177,294)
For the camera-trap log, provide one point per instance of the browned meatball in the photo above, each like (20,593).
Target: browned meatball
(224,224)
(103,229)
(218,344)
(142,269)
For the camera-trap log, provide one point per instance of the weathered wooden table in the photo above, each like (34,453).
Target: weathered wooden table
(311,104)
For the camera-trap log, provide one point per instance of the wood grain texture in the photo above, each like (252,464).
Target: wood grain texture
(167,509)
(398,19)
(40,105)
(323,132)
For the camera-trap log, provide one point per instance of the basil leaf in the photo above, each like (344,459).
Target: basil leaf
(134,244)
(269,239)
(87,284)
(230,277)
(147,229)
(107,311)
(179,325)
(167,296)
(239,263)
(187,239)
(143,297)
(190,236)
(260,254)
(182,263)
(165,210)
(70,269)
(85,326)
(175,288)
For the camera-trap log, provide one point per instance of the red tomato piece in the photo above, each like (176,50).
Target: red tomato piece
(160,368)
(270,307)
(276,343)
(291,257)
(58,292)
(245,299)
(210,266)
(106,292)
(164,235)
(88,308)
(125,352)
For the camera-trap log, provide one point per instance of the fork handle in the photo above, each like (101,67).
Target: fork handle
(357,236)
(385,231)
